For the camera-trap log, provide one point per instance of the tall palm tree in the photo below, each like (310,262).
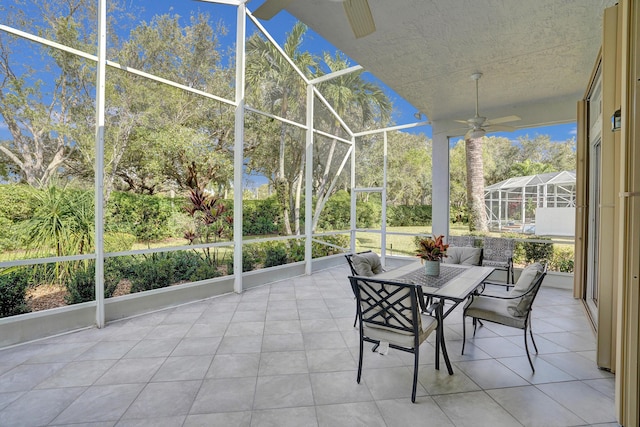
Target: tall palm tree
(349,95)
(280,88)
(475,185)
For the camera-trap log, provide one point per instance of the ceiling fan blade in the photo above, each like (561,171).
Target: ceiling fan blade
(360,17)
(500,128)
(270,8)
(506,119)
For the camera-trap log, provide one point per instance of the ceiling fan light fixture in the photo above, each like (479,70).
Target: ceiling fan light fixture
(476,133)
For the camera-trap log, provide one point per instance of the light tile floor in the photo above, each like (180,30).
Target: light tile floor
(286,355)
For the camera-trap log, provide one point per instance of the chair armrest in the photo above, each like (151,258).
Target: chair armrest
(507,285)
(506,297)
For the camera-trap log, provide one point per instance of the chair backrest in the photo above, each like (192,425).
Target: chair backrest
(463,255)
(462,241)
(526,291)
(390,306)
(365,263)
(498,248)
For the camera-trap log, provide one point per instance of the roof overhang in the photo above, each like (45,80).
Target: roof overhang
(536,56)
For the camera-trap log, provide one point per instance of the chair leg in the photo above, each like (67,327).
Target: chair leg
(532,340)
(445,354)
(438,333)
(464,333)
(526,347)
(416,356)
(360,359)
(355,320)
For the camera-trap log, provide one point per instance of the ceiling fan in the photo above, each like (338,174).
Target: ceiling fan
(479,126)
(357,11)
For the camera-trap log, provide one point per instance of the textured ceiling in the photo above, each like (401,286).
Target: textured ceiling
(536,56)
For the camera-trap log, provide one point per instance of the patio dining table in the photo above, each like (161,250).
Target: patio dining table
(454,283)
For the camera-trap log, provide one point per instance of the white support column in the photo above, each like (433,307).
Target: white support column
(499,209)
(440,179)
(353,195)
(308,187)
(523,206)
(238,149)
(99,161)
(383,227)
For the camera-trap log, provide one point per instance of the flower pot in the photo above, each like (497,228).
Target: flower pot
(432,268)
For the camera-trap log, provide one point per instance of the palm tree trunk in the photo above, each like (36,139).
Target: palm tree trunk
(475,185)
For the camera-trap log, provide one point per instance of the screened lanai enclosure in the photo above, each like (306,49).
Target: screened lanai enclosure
(542,204)
(154,159)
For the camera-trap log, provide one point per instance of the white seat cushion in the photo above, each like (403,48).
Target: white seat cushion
(401,338)
(494,310)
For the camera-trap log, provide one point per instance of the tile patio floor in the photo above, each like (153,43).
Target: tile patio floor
(286,355)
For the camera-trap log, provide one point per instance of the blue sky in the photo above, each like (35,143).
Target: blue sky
(282,23)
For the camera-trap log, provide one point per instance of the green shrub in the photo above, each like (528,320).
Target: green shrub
(537,252)
(406,215)
(152,272)
(319,250)
(118,241)
(562,259)
(250,258)
(203,271)
(163,269)
(13,291)
(185,264)
(16,202)
(9,235)
(336,214)
(260,217)
(146,217)
(275,254)
(296,250)
(81,285)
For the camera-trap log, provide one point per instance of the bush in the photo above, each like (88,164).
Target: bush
(275,254)
(118,241)
(406,215)
(204,271)
(16,202)
(250,257)
(536,252)
(146,217)
(81,285)
(296,250)
(260,217)
(163,269)
(319,250)
(153,272)
(336,214)
(13,291)
(562,259)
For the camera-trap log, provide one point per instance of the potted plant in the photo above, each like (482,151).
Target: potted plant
(431,251)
